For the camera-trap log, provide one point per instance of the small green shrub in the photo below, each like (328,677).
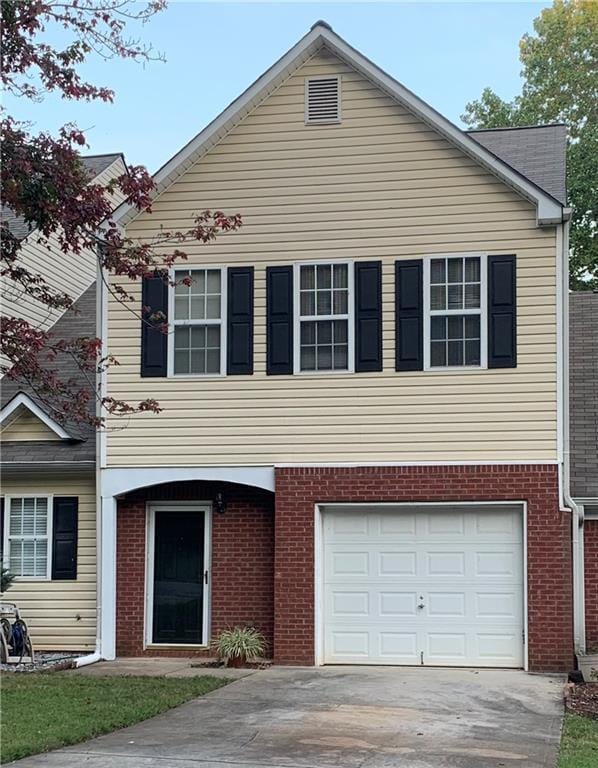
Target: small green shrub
(6,579)
(242,643)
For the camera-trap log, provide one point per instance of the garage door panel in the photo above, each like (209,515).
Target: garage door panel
(394,605)
(350,645)
(389,525)
(445,564)
(449,524)
(396,563)
(397,600)
(399,647)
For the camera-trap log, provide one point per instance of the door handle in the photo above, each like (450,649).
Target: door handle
(421,605)
(205,577)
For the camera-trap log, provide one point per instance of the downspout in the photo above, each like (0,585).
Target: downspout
(92,658)
(567,501)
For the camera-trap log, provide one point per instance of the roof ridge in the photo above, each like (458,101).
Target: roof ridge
(103,154)
(515,128)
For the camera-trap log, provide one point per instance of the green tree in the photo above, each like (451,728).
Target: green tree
(560,73)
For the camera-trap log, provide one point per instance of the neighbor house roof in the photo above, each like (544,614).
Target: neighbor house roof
(94,164)
(80,449)
(583,393)
(537,152)
(549,208)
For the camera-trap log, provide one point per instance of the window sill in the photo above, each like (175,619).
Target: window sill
(322,373)
(175,646)
(184,376)
(457,369)
(29,579)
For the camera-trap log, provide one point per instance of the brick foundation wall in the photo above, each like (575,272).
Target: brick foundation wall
(242,562)
(549,543)
(590,535)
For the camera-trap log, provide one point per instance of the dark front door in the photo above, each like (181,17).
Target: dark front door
(178,577)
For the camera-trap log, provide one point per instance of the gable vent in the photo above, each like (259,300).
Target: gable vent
(322,100)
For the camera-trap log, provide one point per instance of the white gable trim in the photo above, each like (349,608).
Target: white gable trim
(24,401)
(549,210)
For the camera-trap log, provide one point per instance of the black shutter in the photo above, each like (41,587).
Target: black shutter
(279,331)
(368,316)
(239,342)
(409,315)
(154,342)
(502,312)
(64,537)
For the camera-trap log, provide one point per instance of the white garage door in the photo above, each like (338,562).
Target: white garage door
(441,586)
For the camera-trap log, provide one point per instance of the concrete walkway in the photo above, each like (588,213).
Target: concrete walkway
(344,717)
(159,667)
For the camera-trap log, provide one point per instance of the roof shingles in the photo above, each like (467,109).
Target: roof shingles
(583,393)
(537,152)
(72,325)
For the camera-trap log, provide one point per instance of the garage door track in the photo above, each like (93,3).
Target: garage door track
(344,717)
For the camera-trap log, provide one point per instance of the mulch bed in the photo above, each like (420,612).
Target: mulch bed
(583,699)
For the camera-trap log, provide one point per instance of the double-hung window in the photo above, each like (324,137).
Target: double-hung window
(28,536)
(324,333)
(455,311)
(198,336)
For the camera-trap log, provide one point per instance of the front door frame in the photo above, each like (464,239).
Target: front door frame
(200,507)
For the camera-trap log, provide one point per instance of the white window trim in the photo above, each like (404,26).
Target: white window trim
(309,80)
(297,317)
(482,312)
(172,272)
(200,507)
(49,533)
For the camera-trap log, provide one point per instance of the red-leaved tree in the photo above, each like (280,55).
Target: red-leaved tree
(44,182)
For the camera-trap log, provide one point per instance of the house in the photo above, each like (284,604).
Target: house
(362,441)
(48,468)
(583,403)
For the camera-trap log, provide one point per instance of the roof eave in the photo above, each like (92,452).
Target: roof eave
(22,400)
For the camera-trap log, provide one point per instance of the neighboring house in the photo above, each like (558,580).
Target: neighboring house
(48,469)
(583,400)
(65,273)
(362,439)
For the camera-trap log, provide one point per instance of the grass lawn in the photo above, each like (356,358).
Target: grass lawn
(46,711)
(579,744)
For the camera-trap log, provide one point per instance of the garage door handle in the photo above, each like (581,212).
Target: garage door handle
(421,605)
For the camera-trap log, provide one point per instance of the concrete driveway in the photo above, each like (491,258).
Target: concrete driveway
(344,717)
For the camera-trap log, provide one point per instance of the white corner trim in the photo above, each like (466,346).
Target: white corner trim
(116,481)
(549,210)
(106,640)
(24,401)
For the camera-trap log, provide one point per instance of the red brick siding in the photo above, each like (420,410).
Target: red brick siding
(548,531)
(590,535)
(242,562)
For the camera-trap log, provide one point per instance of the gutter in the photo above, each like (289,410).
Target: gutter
(92,658)
(567,501)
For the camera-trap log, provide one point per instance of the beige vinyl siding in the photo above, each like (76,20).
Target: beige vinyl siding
(381,185)
(27,427)
(65,272)
(61,615)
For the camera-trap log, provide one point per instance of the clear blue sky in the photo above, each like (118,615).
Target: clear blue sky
(445,52)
